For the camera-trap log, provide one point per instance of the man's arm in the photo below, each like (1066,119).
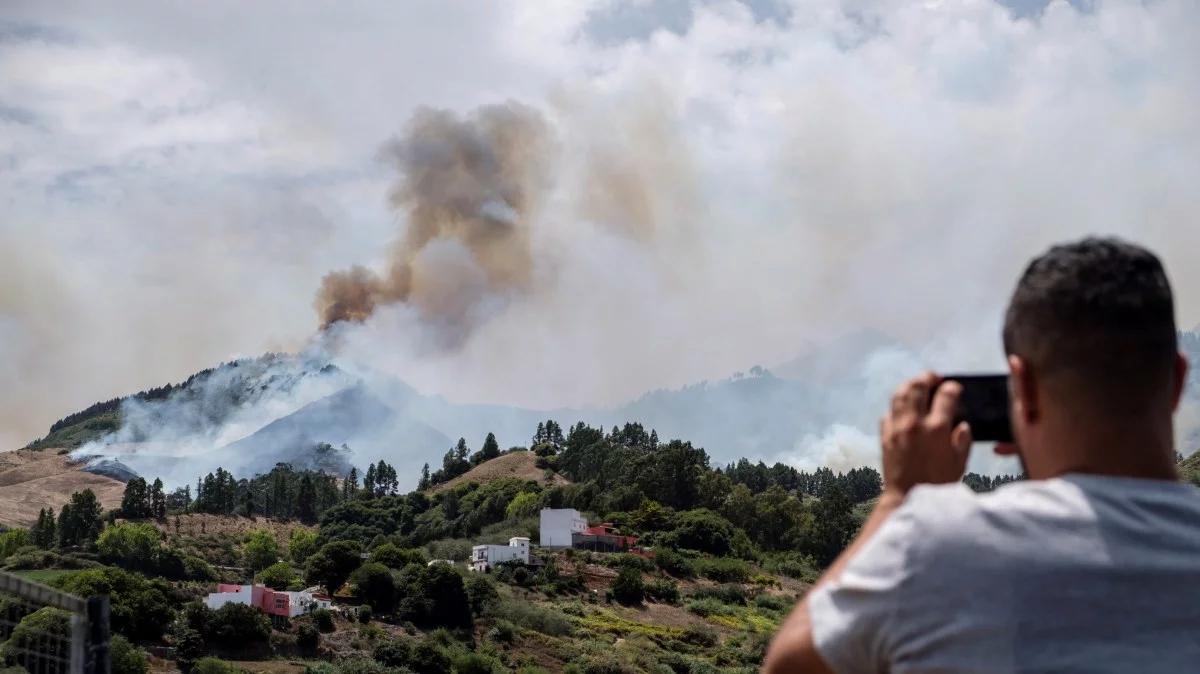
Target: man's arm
(920,445)
(793,649)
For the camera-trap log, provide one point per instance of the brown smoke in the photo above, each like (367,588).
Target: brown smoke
(474,181)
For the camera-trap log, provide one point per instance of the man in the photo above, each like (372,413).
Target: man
(1090,565)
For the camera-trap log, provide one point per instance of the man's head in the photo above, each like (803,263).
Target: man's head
(1090,335)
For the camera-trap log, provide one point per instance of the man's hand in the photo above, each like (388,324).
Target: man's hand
(921,444)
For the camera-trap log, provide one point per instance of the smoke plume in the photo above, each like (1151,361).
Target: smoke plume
(473,181)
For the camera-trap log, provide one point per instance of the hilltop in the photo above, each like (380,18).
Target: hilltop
(519,465)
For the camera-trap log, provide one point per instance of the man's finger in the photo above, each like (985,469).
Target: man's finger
(945,403)
(912,398)
(961,438)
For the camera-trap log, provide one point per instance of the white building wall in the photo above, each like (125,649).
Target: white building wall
(557,525)
(218,599)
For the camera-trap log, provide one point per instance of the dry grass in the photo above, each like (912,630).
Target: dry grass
(521,465)
(34,479)
(198,524)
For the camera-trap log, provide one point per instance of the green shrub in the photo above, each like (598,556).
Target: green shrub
(372,582)
(628,587)
(211,665)
(141,609)
(481,592)
(674,563)
(393,653)
(196,568)
(125,658)
(699,635)
(503,632)
(308,638)
(395,557)
(278,576)
(626,559)
(238,625)
(794,565)
(429,658)
(773,602)
(474,663)
(708,607)
(723,569)
(323,619)
(532,617)
(702,530)
(365,614)
(726,594)
(362,666)
(40,642)
(302,543)
(665,591)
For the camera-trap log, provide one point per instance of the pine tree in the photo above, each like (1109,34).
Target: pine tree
(350,484)
(369,480)
(540,435)
(306,500)
(423,483)
(158,500)
(248,503)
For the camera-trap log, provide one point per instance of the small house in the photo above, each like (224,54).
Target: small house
(484,557)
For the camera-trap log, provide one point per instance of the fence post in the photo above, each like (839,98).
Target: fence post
(98,615)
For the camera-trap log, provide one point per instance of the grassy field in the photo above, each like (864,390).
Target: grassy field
(42,575)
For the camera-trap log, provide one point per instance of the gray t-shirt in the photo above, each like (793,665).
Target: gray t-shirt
(1074,574)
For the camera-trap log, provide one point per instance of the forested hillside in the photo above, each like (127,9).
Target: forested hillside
(723,553)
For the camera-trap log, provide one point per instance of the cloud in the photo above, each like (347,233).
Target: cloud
(729,185)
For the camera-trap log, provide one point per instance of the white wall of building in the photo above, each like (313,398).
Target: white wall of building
(484,557)
(557,525)
(218,599)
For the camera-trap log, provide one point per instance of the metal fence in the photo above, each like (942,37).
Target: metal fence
(48,631)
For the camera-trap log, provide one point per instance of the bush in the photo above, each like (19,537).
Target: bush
(665,591)
(474,663)
(433,596)
(323,619)
(278,576)
(708,607)
(373,584)
(302,543)
(141,609)
(393,653)
(726,594)
(481,593)
(628,587)
(699,635)
(702,530)
(674,563)
(211,665)
(532,617)
(794,565)
(428,658)
(503,631)
(237,625)
(365,614)
(332,565)
(40,642)
(308,638)
(196,568)
(362,666)
(125,658)
(773,602)
(260,549)
(723,569)
(395,557)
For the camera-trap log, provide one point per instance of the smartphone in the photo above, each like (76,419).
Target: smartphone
(984,405)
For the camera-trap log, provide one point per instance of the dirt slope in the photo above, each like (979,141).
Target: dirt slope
(521,465)
(32,480)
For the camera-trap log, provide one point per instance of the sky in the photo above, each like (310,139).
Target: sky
(719,184)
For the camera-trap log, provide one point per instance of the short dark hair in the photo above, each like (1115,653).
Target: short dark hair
(1099,311)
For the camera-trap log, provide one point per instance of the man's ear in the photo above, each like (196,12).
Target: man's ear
(1022,387)
(1181,370)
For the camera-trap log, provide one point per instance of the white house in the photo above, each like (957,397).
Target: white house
(484,557)
(558,525)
